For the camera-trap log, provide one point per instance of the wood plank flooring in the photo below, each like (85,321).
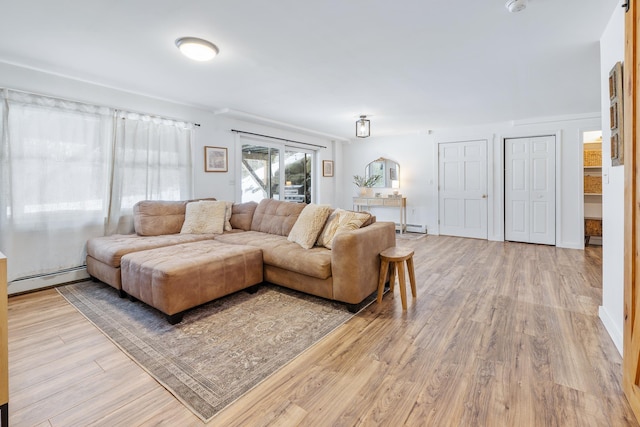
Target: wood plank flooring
(501,334)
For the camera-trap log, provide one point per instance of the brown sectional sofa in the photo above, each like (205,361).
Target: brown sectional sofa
(348,272)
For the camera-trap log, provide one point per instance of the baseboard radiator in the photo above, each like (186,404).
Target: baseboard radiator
(414,228)
(33,283)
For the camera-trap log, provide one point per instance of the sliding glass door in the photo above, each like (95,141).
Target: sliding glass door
(260,172)
(265,167)
(297,176)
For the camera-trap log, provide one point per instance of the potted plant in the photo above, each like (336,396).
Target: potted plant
(365,184)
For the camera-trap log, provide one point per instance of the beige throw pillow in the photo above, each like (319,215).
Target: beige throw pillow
(308,225)
(339,222)
(204,217)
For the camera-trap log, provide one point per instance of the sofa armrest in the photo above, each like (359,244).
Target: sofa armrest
(355,260)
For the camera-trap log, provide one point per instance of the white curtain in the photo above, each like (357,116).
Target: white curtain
(153,162)
(54,161)
(71,171)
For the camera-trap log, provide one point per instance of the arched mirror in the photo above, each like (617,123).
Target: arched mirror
(388,170)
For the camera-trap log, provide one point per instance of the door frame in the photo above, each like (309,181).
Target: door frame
(631,330)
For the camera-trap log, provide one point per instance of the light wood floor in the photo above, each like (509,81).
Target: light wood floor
(500,334)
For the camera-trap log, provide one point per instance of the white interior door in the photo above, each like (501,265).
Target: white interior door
(530,190)
(462,188)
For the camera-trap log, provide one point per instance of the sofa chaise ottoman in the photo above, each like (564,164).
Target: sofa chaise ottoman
(179,277)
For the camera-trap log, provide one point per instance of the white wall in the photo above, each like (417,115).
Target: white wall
(417,156)
(612,309)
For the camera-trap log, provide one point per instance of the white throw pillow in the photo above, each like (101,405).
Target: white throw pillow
(308,225)
(204,217)
(339,222)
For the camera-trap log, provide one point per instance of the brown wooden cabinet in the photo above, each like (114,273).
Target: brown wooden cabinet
(4,345)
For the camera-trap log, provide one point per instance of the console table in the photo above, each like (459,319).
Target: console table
(400,203)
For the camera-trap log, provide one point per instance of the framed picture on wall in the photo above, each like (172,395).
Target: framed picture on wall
(615,115)
(215,159)
(327,168)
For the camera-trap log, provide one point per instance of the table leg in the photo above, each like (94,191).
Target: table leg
(392,276)
(412,276)
(384,268)
(403,285)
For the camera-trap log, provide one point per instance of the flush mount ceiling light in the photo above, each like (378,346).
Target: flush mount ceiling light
(514,6)
(197,49)
(363,127)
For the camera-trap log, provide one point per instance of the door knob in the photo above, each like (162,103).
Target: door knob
(484,196)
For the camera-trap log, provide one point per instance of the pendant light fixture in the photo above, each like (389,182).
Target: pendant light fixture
(197,49)
(363,127)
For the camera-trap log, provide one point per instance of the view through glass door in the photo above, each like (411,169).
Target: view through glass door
(264,168)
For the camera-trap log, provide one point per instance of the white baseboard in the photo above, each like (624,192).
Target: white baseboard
(612,329)
(41,282)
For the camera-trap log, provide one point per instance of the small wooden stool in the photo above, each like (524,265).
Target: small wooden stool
(395,257)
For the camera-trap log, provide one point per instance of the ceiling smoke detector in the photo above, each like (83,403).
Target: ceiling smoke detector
(514,6)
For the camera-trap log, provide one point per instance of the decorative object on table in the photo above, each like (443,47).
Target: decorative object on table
(221,349)
(327,168)
(395,184)
(363,127)
(365,184)
(215,159)
(616,115)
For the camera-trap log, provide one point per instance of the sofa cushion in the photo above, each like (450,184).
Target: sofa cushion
(227,216)
(275,216)
(204,217)
(109,249)
(157,217)
(341,221)
(277,251)
(242,215)
(309,225)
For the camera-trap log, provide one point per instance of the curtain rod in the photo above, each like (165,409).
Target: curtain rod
(100,105)
(275,137)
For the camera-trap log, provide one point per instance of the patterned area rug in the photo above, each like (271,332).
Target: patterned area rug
(221,349)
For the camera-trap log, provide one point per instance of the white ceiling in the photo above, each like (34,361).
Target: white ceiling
(411,65)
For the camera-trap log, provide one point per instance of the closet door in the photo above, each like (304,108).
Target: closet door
(462,188)
(530,182)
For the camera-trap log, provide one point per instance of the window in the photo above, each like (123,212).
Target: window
(264,167)
(152,162)
(65,176)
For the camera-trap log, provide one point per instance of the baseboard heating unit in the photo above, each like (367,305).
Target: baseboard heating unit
(414,228)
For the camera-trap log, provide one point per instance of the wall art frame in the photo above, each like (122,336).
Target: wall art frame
(216,159)
(327,168)
(616,124)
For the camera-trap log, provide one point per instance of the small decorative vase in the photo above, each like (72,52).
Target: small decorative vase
(363,191)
